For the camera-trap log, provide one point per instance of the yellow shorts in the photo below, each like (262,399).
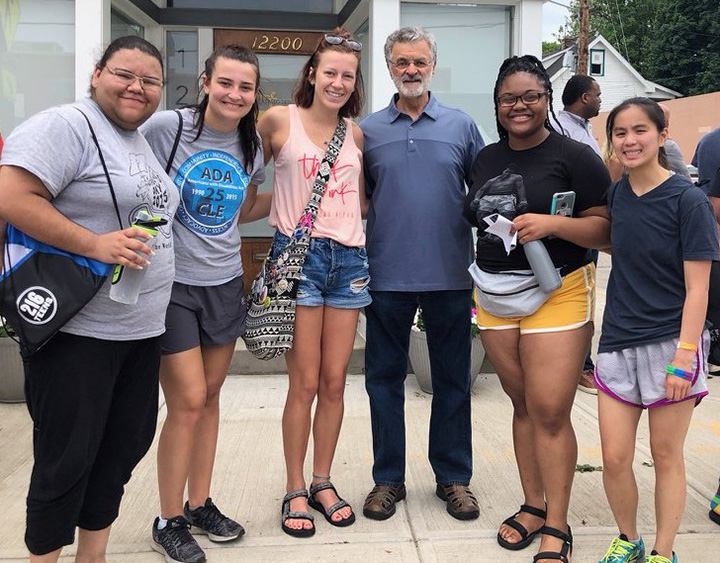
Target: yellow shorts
(568,307)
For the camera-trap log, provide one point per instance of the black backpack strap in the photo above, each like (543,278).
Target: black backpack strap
(176,143)
(105,169)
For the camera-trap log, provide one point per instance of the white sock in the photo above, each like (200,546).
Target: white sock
(161,523)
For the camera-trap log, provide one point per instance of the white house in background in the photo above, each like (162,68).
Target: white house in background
(617,78)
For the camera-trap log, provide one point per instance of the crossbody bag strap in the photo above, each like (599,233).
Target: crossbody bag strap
(175,143)
(305,225)
(105,169)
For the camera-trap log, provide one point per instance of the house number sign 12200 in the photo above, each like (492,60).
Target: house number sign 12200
(277,42)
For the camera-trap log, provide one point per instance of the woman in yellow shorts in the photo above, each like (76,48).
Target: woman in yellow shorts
(538,353)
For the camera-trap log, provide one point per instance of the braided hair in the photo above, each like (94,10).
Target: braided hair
(531,65)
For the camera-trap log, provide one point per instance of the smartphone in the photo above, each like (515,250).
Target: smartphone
(563,204)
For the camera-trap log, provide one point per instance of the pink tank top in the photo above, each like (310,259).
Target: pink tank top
(339,217)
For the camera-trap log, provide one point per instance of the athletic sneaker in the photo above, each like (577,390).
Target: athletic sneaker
(175,542)
(623,551)
(209,520)
(655,558)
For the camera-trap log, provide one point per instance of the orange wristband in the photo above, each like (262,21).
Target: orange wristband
(687,346)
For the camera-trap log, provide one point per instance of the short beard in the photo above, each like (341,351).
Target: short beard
(416,90)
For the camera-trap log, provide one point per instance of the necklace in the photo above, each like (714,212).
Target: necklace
(324,138)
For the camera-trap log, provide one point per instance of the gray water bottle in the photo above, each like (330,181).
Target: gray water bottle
(542,266)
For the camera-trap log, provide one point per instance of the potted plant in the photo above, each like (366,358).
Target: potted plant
(420,357)
(12,373)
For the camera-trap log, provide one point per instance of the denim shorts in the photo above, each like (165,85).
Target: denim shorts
(334,275)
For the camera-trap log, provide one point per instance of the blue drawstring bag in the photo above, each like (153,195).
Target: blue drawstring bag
(43,287)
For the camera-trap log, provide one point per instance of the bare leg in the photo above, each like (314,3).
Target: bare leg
(618,432)
(51,557)
(92,545)
(216,361)
(183,382)
(668,429)
(303,364)
(338,335)
(502,347)
(552,363)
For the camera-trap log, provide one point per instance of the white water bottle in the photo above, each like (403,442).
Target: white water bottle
(542,266)
(127,282)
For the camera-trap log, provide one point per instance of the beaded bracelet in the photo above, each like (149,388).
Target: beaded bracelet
(683,374)
(687,346)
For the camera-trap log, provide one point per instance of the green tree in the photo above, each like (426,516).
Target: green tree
(673,42)
(685,52)
(627,24)
(549,47)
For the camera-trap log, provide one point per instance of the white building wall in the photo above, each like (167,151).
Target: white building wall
(618,83)
(384,19)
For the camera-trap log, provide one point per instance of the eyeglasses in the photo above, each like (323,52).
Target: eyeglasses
(402,64)
(127,78)
(337,40)
(528,98)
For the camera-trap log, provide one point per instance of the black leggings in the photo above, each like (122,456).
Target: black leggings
(94,407)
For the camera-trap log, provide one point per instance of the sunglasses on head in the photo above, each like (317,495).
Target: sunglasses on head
(331,39)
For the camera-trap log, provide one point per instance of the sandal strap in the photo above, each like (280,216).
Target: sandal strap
(517,526)
(298,515)
(533,511)
(317,487)
(550,531)
(295,494)
(335,507)
(554,555)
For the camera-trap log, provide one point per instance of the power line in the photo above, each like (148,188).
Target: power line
(622,30)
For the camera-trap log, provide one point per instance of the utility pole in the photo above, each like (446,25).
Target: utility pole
(583,39)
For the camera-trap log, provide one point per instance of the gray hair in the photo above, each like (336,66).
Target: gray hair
(410,35)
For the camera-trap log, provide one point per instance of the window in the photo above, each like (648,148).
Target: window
(182,68)
(121,26)
(37,49)
(304,6)
(597,62)
(473,40)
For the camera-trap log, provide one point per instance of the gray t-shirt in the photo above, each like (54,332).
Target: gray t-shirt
(675,158)
(55,145)
(211,177)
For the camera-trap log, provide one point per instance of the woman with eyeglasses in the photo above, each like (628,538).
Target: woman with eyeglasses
(92,390)
(538,350)
(335,273)
(213,153)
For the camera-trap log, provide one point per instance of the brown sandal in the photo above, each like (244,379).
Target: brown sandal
(461,503)
(380,503)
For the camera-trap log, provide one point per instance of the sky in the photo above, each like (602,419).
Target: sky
(553,18)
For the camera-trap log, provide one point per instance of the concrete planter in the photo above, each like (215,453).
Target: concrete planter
(420,359)
(12,374)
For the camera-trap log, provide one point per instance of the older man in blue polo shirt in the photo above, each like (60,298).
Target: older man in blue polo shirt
(418,156)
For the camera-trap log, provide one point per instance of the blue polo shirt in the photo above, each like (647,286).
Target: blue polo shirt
(415,176)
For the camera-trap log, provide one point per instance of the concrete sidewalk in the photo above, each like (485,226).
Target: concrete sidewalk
(249,484)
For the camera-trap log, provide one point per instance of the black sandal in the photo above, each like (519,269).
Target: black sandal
(317,505)
(526,537)
(296,515)
(565,550)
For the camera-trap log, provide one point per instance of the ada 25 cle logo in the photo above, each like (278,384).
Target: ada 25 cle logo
(37,305)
